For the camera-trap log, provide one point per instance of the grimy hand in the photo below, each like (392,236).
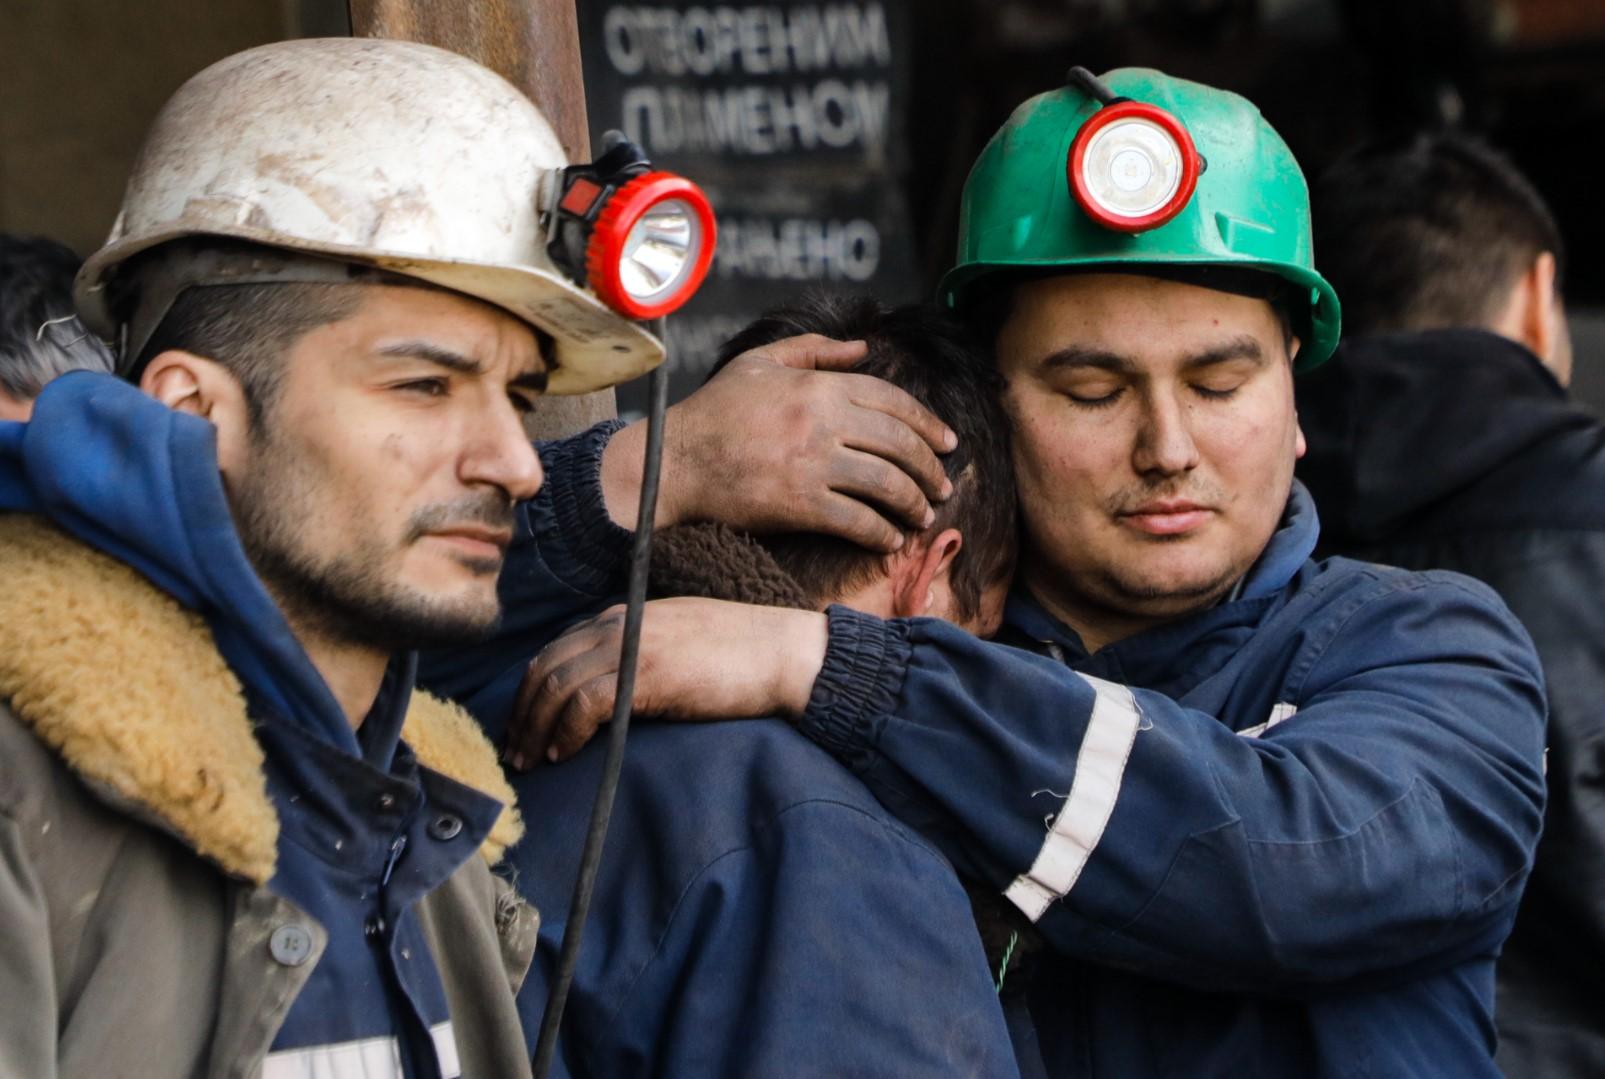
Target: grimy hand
(784,440)
(700,659)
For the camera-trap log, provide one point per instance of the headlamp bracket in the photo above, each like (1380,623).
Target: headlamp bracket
(640,239)
(582,192)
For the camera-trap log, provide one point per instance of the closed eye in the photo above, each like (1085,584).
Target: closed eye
(1098,401)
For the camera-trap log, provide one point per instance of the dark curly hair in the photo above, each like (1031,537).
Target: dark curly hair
(925,351)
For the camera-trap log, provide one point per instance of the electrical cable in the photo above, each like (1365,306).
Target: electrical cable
(1091,85)
(618,729)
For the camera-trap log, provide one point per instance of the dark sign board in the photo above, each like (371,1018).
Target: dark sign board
(793,117)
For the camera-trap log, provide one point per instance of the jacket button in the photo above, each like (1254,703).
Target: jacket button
(385,803)
(290,945)
(445,827)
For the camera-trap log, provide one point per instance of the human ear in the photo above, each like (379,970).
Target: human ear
(1532,316)
(186,382)
(1544,319)
(920,587)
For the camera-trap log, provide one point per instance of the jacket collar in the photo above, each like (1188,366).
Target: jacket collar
(120,471)
(129,688)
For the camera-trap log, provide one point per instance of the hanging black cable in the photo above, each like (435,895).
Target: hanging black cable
(618,729)
(1091,85)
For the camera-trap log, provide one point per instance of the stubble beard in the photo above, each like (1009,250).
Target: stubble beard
(347,596)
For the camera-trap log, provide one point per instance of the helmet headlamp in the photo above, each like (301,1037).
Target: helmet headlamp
(1132,166)
(641,239)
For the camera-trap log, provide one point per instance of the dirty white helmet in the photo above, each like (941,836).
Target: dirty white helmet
(384,154)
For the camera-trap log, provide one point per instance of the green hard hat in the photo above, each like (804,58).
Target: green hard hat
(1250,209)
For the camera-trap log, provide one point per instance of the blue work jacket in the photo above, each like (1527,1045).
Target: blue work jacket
(1282,837)
(757,913)
(1285,836)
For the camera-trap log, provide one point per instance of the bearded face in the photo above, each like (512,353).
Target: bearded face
(374,493)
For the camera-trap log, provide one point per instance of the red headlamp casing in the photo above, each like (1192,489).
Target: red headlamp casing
(1133,166)
(651,246)
(642,240)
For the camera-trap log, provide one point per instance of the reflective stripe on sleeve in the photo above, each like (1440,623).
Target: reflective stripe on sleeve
(1100,765)
(366,1058)
(1281,713)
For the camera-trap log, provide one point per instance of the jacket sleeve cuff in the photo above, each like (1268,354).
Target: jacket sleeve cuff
(857,687)
(592,550)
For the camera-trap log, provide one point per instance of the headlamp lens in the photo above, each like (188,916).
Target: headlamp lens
(1132,166)
(660,251)
(651,245)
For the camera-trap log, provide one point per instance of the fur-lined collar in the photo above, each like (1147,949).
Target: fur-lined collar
(128,688)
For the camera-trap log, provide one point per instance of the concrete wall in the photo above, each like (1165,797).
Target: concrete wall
(80,80)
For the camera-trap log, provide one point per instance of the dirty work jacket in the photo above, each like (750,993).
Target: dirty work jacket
(138,645)
(1457,449)
(757,914)
(1285,836)
(138,936)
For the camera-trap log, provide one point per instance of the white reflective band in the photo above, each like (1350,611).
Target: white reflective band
(1100,766)
(1284,710)
(451,1066)
(367,1058)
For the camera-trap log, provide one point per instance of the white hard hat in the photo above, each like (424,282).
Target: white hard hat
(385,154)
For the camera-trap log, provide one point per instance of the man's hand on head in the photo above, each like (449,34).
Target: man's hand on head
(700,659)
(785,440)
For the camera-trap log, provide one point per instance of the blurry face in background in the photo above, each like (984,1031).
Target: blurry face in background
(1155,437)
(375,496)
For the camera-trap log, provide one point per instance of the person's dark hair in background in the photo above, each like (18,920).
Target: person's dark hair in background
(923,350)
(1434,231)
(1441,437)
(40,335)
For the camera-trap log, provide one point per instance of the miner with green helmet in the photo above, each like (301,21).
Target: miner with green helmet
(1253,814)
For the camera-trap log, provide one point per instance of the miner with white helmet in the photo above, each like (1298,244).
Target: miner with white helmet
(233,840)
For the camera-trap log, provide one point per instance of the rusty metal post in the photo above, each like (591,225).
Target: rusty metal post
(535,45)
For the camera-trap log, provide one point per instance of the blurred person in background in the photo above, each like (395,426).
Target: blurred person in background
(1442,436)
(40,335)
